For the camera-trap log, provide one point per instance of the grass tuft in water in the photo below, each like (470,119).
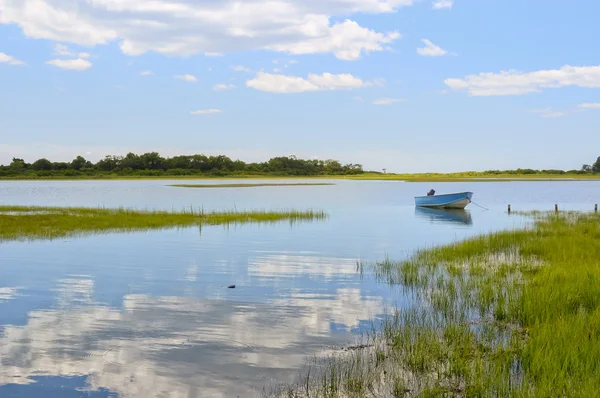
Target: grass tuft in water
(513,313)
(27,223)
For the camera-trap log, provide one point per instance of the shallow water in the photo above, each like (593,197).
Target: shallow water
(148,314)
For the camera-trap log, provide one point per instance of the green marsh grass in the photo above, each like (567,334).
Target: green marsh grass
(27,223)
(509,314)
(474,177)
(368,176)
(242,185)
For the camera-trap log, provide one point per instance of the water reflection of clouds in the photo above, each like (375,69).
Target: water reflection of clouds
(8,293)
(75,289)
(347,308)
(174,345)
(293,264)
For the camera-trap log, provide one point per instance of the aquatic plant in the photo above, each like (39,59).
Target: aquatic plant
(26,223)
(512,313)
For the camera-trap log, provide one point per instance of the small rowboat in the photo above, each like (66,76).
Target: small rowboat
(447,201)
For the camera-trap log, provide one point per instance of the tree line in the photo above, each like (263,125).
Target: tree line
(152,164)
(594,168)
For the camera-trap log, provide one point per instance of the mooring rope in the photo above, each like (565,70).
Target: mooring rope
(485,208)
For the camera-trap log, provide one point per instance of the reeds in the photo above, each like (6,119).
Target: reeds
(26,223)
(513,313)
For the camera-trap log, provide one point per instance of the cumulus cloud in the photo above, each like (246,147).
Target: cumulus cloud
(187,78)
(431,50)
(223,87)
(346,40)
(146,73)
(518,83)
(206,111)
(590,105)
(388,101)
(442,4)
(7,59)
(283,84)
(187,27)
(78,64)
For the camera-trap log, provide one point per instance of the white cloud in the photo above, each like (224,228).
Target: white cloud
(548,113)
(185,27)
(388,101)
(518,83)
(358,98)
(283,84)
(442,4)
(223,86)
(213,54)
(277,70)
(146,73)
(239,68)
(431,50)
(206,111)
(78,64)
(62,50)
(187,78)
(7,59)
(590,105)
(346,40)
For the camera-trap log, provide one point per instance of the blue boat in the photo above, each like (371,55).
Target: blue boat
(447,201)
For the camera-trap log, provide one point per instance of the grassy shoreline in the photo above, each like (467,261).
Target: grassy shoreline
(241,185)
(512,313)
(18,223)
(423,177)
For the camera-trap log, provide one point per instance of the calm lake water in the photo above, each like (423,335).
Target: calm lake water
(148,314)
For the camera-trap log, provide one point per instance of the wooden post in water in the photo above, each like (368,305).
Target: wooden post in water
(508,209)
(556,208)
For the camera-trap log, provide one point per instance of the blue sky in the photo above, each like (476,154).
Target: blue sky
(407,85)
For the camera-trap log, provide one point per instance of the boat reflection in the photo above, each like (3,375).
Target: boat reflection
(444,216)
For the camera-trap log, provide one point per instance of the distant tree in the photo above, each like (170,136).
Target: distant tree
(596,166)
(179,162)
(586,168)
(79,163)
(42,164)
(152,161)
(109,163)
(132,161)
(17,164)
(61,166)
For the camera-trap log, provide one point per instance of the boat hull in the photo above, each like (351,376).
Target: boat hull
(448,201)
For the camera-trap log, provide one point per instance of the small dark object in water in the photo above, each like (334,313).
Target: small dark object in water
(431,193)
(231,287)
